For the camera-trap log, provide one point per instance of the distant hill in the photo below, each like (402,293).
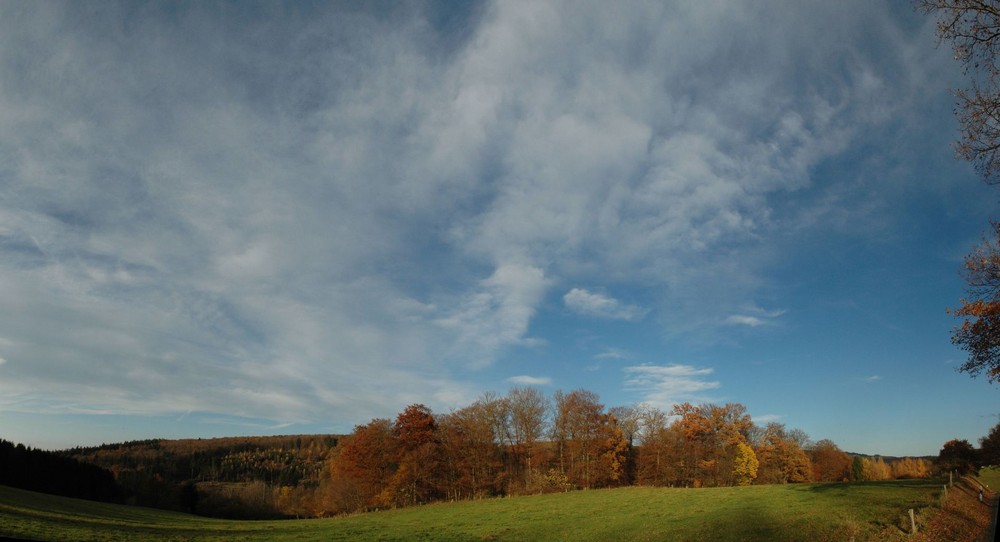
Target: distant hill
(282,460)
(240,477)
(49,472)
(891,458)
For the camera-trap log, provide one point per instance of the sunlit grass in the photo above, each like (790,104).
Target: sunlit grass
(990,477)
(864,511)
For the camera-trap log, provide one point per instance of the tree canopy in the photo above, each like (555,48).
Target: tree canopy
(957,454)
(979,334)
(973,29)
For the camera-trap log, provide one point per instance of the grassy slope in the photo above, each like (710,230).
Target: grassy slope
(868,511)
(963,516)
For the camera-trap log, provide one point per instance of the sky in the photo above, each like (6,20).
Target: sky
(247,218)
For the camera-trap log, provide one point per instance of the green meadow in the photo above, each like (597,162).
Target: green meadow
(859,511)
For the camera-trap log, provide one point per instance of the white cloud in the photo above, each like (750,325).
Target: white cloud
(755,317)
(767,418)
(497,314)
(594,304)
(613,353)
(525,380)
(608,168)
(751,321)
(665,385)
(871,379)
(343,217)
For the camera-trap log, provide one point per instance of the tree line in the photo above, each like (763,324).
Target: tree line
(47,472)
(233,477)
(524,443)
(961,456)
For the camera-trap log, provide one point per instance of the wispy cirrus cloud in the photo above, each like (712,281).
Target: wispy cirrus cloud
(348,216)
(767,418)
(665,385)
(613,353)
(751,321)
(755,317)
(526,380)
(600,305)
(497,314)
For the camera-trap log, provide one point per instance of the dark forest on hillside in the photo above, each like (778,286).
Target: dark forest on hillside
(234,477)
(57,474)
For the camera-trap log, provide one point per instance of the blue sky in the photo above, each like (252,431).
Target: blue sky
(259,218)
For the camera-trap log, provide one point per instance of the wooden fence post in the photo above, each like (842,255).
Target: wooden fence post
(913,523)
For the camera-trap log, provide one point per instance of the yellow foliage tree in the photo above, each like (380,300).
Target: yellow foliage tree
(744,464)
(875,469)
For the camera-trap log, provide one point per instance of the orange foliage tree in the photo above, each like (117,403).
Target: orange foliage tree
(591,449)
(829,462)
(363,466)
(979,334)
(496,446)
(782,459)
(419,472)
(469,445)
(712,434)
(661,450)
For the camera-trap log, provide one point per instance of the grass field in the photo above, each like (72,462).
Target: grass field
(815,512)
(990,477)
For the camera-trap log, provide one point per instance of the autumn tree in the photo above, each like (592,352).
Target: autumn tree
(526,411)
(494,410)
(590,446)
(910,467)
(523,442)
(745,464)
(693,426)
(874,469)
(829,462)
(782,459)
(629,420)
(473,457)
(957,455)
(971,26)
(575,416)
(711,433)
(857,468)
(418,474)
(661,449)
(614,451)
(989,447)
(651,420)
(362,468)
(979,334)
